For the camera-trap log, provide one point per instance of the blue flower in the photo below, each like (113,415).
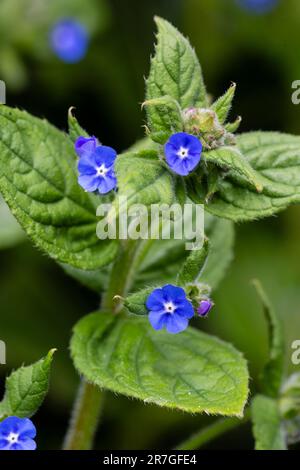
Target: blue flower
(17,434)
(204,307)
(69,40)
(183,153)
(96,165)
(168,307)
(258,6)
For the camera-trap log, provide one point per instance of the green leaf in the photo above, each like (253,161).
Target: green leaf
(175,72)
(26,388)
(191,371)
(136,303)
(233,126)
(38,179)
(230,158)
(193,265)
(276,157)
(165,118)
(10,231)
(95,280)
(164,258)
(143,179)
(221,238)
(75,129)
(223,105)
(267,427)
(272,376)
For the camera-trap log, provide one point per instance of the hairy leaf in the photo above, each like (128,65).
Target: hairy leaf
(175,72)
(26,388)
(230,158)
(191,371)
(223,104)
(272,375)
(164,258)
(38,179)
(136,303)
(221,238)
(75,129)
(267,427)
(143,179)
(193,265)
(170,118)
(10,231)
(276,157)
(95,280)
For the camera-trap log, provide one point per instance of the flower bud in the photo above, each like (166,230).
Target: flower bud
(204,307)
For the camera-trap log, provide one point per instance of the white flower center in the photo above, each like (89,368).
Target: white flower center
(101,170)
(13,438)
(183,152)
(169,307)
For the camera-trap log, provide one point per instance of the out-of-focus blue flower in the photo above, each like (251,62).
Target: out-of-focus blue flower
(69,40)
(258,6)
(168,307)
(183,153)
(17,434)
(204,307)
(96,165)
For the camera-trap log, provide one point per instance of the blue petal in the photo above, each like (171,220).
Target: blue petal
(176,323)
(179,167)
(4,444)
(15,446)
(89,182)
(173,293)
(85,146)
(27,429)
(11,424)
(178,140)
(86,166)
(185,309)
(106,184)
(27,444)
(158,319)
(155,301)
(195,146)
(106,155)
(192,161)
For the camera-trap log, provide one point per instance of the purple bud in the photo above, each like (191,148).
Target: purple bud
(204,307)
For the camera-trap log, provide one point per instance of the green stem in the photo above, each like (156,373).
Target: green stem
(207,434)
(121,276)
(85,418)
(89,401)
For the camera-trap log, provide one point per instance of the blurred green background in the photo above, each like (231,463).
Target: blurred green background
(39,304)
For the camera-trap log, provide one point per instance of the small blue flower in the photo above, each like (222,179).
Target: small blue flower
(204,307)
(258,6)
(183,153)
(168,307)
(69,40)
(17,434)
(96,165)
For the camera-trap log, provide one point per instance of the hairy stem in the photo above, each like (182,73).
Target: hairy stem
(85,418)
(89,402)
(211,432)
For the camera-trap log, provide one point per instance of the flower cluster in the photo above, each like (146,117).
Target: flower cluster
(17,434)
(96,165)
(69,40)
(170,308)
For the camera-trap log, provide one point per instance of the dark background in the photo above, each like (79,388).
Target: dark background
(39,304)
